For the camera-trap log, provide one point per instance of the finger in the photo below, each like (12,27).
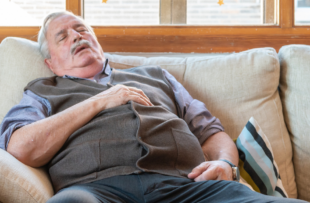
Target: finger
(210,174)
(144,97)
(139,99)
(146,100)
(126,92)
(135,90)
(214,172)
(198,170)
(140,92)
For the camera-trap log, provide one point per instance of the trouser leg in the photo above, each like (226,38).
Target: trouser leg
(77,194)
(156,188)
(164,189)
(118,189)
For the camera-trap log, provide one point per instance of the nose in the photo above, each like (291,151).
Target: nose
(76,36)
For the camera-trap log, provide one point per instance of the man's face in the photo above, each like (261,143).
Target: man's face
(70,53)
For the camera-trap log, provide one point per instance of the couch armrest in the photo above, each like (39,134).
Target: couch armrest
(21,183)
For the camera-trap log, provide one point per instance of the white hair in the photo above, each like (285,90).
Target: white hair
(43,30)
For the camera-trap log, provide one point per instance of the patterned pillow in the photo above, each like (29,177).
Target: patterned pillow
(256,163)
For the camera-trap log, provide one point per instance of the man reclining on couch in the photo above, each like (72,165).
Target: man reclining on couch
(108,135)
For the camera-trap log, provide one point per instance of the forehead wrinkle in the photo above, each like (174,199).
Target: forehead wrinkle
(78,25)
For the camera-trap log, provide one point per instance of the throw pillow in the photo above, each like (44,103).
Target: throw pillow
(256,162)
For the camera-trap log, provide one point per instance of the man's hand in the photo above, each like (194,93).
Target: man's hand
(119,95)
(211,170)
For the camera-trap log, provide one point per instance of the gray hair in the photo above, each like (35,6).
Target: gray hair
(43,30)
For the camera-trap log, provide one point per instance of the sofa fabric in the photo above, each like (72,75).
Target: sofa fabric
(21,183)
(295,95)
(234,88)
(20,62)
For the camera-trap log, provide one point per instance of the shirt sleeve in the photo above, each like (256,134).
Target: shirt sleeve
(198,118)
(30,109)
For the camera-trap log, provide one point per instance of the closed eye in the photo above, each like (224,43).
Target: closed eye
(82,30)
(62,38)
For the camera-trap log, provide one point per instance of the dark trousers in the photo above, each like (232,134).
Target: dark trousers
(157,188)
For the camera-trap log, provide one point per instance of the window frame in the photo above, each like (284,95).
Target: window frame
(187,39)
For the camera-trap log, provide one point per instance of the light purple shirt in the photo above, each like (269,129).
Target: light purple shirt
(33,108)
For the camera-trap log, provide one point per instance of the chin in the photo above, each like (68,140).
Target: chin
(88,70)
(89,60)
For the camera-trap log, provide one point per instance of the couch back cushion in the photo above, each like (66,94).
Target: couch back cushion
(20,62)
(234,88)
(175,65)
(240,86)
(295,95)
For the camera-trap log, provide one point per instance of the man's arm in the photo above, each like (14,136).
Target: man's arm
(194,112)
(35,144)
(30,109)
(217,146)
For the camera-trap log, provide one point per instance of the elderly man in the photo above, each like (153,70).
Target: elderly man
(111,135)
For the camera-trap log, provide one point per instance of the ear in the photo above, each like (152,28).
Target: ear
(48,62)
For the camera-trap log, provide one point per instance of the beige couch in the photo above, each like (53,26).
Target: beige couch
(270,87)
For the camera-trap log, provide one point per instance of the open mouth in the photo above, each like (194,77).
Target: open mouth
(80,48)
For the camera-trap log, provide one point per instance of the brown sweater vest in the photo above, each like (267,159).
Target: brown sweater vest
(123,140)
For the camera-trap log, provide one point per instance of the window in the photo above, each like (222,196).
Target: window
(27,12)
(122,12)
(202,12)
(184,12)
(302,10)
(275,28)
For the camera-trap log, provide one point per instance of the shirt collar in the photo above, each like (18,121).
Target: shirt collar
(106,69)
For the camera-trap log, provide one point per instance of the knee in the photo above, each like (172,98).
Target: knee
(75,195)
